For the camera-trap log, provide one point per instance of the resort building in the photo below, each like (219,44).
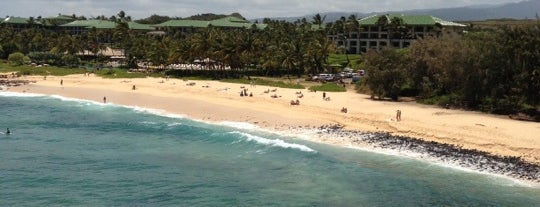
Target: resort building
(19,23)
(397,31)
(80,26)
(57,20)
(190,26)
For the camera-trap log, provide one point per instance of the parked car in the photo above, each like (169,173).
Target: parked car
(326,77)
(361,72)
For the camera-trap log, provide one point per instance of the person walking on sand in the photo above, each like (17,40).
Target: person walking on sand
(61,82)
(104,99)
(398,115)
(324,95)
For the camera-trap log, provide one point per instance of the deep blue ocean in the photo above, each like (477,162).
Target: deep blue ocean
(64,152)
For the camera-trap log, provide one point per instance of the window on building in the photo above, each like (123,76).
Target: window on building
(364,35)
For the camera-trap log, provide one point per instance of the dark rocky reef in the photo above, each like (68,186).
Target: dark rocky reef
(11,83)
(469,158)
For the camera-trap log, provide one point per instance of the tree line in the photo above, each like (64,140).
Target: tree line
(294,48)
(495,71)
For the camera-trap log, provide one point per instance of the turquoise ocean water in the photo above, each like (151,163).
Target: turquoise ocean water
(76,153)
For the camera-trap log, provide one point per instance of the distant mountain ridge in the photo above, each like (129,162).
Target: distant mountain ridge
(520,10)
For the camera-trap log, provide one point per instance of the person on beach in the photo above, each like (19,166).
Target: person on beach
(324,95)
(8,132)
(398,115)
(61,82)
(104,99)
(133,88)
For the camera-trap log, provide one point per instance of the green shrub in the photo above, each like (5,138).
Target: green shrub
(329,87)
(46,58)
(16,58)
(263,82)
(123,73)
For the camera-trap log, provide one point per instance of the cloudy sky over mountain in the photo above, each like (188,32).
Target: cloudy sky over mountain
(248,8)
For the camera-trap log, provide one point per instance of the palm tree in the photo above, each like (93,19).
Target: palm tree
(31,21)
(396,28)
(352,24)
(318,20)
(383,23)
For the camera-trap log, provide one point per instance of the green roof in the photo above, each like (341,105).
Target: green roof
(57,20)
(137,26)
(183,23)
(230,22)
(60,17)
(105,24)
(421,20)
(18,20)
(83,23)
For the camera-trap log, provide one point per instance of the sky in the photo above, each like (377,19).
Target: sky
(250,9)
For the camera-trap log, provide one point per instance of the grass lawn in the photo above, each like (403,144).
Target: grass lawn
(283,82)
(32,70)
(341,59)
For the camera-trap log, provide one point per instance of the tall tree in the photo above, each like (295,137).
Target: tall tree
(386,72)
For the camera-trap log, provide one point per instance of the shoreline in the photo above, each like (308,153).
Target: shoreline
(469,132)
(513,168)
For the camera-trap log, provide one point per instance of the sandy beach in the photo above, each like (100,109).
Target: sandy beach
(217,101)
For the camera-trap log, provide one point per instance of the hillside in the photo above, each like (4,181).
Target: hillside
(521,10)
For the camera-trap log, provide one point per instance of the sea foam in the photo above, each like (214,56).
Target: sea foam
(239,125)
(273,142)
(17,94)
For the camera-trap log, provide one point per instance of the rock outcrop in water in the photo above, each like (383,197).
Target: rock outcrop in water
(447,153)
(12,83)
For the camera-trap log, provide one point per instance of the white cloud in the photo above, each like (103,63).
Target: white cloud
(250,9)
